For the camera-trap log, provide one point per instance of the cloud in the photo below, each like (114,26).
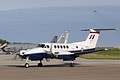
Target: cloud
(22,4)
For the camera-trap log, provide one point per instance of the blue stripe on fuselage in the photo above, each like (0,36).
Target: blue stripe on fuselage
(40,56)
(36,56)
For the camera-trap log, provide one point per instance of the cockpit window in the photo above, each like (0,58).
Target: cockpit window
(41,45)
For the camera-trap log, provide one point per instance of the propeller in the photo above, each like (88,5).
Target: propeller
(18,54)
(50,52)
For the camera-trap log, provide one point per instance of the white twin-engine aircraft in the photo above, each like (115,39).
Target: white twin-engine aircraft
(64,51)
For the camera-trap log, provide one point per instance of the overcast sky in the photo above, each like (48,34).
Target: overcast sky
(22,4)
(31,22)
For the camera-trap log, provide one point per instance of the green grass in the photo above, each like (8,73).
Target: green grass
(113,54)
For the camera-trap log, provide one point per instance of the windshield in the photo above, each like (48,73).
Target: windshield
(41,45)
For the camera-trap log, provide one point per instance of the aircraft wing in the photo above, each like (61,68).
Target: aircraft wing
(87,52)
(65,53)
(72,55)
(66,56)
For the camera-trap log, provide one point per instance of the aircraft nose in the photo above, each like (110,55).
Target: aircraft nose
(22,52)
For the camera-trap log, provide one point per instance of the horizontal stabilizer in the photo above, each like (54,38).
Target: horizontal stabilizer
(98,30)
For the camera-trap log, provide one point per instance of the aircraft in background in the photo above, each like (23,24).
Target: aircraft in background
(16,47)
(63,38)
(64,51)
(3,46)
(54,40)
(13,48)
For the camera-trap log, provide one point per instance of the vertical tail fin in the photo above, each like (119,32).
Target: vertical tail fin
(3,47)
(64,37)
(92,38)
(54,39)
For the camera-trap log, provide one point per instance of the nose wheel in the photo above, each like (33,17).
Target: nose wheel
(27,64)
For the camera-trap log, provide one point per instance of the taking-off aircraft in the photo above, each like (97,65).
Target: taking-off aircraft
(64,51)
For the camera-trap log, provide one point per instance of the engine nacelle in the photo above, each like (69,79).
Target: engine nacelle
(65,56)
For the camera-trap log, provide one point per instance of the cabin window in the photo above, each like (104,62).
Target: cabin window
(57,46)
(48,46)
(64,46)
(67,47)
(76,46)
(61,46)
(54,46)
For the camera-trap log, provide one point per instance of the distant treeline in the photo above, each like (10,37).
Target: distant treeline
(3,41)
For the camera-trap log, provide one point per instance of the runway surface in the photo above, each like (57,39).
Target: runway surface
(58,70)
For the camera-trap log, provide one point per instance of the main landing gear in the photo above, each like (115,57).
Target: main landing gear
(40,64)
(72,64)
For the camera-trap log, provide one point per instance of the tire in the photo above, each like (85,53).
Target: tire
(72,65)
(26,65)
(40,65)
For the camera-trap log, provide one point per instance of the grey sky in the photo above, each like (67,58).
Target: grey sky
(41,24)
(29,25)
(22,4)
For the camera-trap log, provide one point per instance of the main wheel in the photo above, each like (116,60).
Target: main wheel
(72,65)
(26,65)
(40,65)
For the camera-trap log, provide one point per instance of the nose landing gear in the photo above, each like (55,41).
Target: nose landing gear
(27,64)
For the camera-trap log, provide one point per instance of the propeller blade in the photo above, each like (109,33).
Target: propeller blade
(19,56)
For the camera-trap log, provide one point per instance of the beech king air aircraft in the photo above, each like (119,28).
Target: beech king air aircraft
(64,51)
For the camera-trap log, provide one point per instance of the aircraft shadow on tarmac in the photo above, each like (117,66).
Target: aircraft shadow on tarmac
(53,65)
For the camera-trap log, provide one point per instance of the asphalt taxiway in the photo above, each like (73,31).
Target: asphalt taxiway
(11,69)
